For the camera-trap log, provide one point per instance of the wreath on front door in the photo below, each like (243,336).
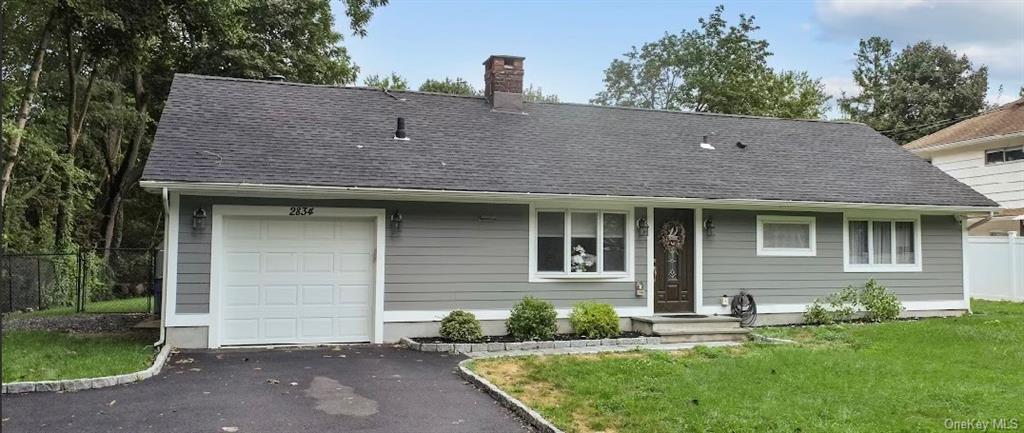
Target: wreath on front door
(672,236)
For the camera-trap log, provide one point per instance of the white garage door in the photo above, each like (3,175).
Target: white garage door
(296,280)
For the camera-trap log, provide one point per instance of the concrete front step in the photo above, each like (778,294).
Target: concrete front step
(656,325)
(704,336)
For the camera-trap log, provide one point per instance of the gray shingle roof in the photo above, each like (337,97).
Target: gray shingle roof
(243,131)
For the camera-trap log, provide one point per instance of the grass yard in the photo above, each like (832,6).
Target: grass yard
(900,376)
(127,305)
(44,355)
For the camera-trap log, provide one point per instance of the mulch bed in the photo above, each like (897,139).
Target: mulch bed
(509,339)
(82,323)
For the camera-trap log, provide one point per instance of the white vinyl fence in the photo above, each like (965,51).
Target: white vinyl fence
(996,267)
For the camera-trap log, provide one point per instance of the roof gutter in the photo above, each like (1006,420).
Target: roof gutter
(412,194)
(965,143)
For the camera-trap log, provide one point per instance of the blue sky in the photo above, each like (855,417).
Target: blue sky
(568,44)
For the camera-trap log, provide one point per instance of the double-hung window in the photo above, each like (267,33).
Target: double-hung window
(779,235)
(580,243)
(882,244)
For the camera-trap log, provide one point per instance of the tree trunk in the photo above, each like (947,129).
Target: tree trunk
(21,119)
(73,132)
(121,182)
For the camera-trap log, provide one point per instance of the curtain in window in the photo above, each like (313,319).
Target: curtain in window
(786,235)
(858,242)
(882,241)
(904,242)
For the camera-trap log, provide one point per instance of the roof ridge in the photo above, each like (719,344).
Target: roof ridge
(575,104)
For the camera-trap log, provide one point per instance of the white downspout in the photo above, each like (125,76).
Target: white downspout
(163,290)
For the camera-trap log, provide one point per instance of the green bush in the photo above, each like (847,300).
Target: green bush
(880,304)
(818,314)
(594,320)
(461,326)
(532,319)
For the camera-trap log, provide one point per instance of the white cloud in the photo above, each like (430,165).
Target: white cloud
(836,86)
(989,32)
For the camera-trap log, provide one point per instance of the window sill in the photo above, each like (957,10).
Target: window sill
(779,252)
(881,268)
(606,277)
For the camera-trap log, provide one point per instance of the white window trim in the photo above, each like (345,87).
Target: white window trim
(567,275)
(1003,150)
(787,252)
(917,266)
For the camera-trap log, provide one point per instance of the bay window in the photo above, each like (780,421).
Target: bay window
(580,243)
(873,244)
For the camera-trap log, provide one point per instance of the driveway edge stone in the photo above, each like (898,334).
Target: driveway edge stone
(519,408)
(89,383)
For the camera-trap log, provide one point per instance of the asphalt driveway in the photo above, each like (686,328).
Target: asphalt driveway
(342,389)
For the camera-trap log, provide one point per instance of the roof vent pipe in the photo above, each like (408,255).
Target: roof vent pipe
(275,77)
(705,145)
(400,130)
(740,145)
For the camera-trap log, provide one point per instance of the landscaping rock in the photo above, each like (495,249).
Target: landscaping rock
(495,347)
(546,345)
(478,347)
(514,346)
(577,343)
(562,344)
(463,348)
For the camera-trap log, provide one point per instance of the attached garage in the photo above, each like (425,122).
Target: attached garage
(282,276)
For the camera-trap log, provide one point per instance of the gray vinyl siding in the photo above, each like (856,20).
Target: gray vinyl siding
(444,257)
(731,262)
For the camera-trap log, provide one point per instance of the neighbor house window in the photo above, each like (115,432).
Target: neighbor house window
(786,236)
(882,244)
(581,243)
(1008,154)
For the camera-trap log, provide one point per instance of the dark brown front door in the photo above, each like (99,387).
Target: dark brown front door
(673,260)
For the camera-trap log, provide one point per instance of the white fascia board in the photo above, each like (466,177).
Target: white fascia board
(409,194)
(925,151)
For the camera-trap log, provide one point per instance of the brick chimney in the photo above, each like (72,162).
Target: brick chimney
(503,83)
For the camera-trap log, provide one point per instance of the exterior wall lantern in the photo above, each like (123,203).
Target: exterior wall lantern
(641,226)
(396,221)
(198,219)
(709,227)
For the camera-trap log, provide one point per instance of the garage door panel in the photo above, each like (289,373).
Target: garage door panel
(280,328)
(317,327)
(243,229)
(281,295)
(280,262)
(318,262)
(283,229)
(240,330)
(353,328)
(241,295)
(317,295)
(289,280)
(241,262)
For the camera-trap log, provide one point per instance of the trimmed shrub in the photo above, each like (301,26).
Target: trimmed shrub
(461,326)
(880,304)
(594,320)
(532,319)
(817,314)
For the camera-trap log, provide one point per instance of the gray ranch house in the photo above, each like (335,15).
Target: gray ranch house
(311,214)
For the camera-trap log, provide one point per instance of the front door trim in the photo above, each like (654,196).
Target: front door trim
(216,249)
(680,293)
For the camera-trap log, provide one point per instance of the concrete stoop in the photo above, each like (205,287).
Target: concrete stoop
(691,328)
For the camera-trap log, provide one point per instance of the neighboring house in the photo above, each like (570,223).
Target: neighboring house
(301,214)
(985,152)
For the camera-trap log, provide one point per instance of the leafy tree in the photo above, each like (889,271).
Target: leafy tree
(718,68)
(536,94)
(392,82)
(84,83)
(456,86)
(922,89)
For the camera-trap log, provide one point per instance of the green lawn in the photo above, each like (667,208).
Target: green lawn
(127,305)
(901,376)
(44,355)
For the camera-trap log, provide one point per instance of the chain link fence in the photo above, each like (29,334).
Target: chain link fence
(84,282)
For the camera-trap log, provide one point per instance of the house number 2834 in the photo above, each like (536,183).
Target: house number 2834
(300,210)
